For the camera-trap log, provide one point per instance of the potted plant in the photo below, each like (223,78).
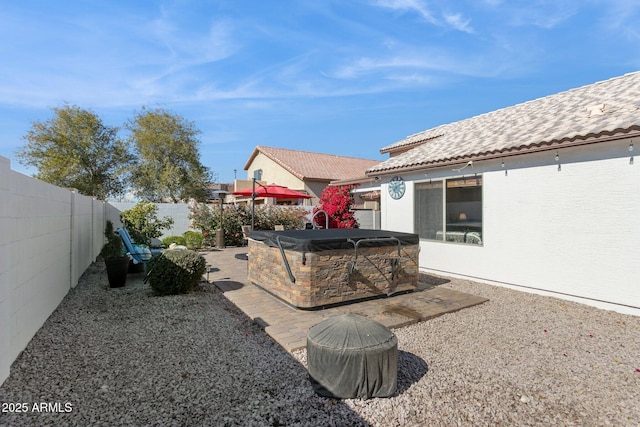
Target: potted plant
(116,261)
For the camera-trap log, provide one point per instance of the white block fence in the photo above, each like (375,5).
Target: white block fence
(48,238)
(178,211)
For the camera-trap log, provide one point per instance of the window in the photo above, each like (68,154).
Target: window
(450,210)
(429,209)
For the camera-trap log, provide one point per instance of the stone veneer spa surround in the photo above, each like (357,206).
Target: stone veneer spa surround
(326,267)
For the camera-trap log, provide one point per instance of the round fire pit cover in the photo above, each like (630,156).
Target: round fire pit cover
(350,356)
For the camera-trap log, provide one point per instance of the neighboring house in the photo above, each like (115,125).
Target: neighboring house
(302,170)
(542,196)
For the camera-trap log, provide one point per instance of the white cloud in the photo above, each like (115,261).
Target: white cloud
(417,61)
(545,14)
(133,60)
(409,5)
(459,23)
(98,60)
(442,19)
(622,16)
(188,48)
(412,79)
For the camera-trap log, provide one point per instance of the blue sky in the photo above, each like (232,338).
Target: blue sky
(340,77)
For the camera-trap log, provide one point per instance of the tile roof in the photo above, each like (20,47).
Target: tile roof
(601,109)
(314,166)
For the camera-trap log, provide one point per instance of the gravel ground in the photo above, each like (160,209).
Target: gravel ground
(122,357)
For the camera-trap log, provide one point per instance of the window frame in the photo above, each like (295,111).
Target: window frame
(472,229)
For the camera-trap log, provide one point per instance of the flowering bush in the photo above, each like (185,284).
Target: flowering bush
(206,218)
(336,202)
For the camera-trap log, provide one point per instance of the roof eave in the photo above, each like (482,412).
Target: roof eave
(632,132)
(260,149)
(253,155)
(352,181)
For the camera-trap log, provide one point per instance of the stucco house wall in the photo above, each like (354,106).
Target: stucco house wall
(541,196)
(315,188)
(273,172)
(569,230)
(303,170)
(397,215)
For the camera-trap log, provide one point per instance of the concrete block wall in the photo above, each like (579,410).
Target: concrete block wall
(178,211)
(368,219)
(48,237)
(87,235)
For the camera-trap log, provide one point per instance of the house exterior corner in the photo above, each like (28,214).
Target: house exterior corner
(558,221)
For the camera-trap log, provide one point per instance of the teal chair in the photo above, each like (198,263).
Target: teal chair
(141,254)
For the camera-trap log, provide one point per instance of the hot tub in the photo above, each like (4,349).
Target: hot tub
(316,268)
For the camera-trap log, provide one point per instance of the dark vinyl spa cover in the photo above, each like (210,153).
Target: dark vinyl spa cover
(333,238)
(350,356)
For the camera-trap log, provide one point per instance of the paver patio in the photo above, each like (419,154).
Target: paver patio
(289,326)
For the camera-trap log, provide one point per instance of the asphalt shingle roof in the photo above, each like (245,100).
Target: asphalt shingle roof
(600,109)
(306,165)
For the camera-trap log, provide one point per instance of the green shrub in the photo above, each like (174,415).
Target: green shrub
(143,223)
(193,240)
(113,247)
(206,218)
(178,240)
(176,272)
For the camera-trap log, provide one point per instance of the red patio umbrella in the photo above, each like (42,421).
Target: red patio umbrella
(271,190)
(274,191)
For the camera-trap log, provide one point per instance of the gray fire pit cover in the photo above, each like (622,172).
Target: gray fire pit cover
(350,356)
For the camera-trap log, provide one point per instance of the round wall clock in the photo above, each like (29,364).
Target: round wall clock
(396,187)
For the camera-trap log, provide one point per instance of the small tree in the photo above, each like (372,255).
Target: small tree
(336,202)
(143,223)
(168,165)
(75,149)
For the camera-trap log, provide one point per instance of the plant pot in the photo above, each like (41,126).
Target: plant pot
(136,268)
(117,269)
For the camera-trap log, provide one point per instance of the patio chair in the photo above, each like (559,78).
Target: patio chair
(140,254)
(246,229)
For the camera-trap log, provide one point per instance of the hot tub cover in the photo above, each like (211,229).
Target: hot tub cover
(350,356)
(333,238)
